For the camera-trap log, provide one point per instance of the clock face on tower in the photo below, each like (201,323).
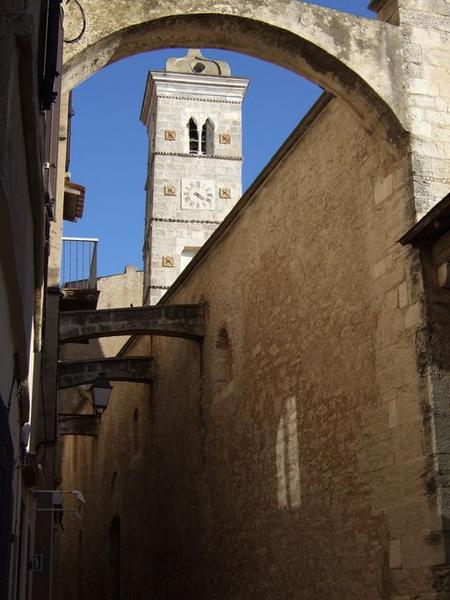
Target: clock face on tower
(198,194)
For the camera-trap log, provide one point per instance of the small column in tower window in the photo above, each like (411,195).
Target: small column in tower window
(208,138)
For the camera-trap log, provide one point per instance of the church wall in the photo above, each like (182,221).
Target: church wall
(285,456)
(337,270)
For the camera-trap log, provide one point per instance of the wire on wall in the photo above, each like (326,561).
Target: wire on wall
(83,27)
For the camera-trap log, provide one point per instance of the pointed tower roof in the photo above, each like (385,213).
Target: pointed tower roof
(196,64)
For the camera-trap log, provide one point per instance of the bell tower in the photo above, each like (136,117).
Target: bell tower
(193,115)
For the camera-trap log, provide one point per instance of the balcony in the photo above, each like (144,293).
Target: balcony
(79,274)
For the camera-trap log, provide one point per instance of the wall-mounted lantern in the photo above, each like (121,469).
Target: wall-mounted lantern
(100,394)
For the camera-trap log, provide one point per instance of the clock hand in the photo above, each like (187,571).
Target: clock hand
(199,196)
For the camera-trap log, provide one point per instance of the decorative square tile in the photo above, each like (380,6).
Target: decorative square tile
(170,135)
(170,190)
(168,261)
(225,193)
(225,138)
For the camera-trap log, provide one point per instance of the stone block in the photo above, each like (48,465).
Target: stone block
(393,418)
(419,551)
(408,441)
(403,295)
(408,518)
(421,86)
(413,316)
(383,188)
(408,405)
(425,38)
(395,554)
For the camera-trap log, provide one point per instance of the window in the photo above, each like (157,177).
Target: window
(187,255)
(208,138)
(204,144)
(193,136)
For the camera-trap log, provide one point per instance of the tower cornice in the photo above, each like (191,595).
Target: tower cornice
(215,88)
(197,156)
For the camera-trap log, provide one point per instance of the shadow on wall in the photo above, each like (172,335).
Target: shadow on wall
(114,558)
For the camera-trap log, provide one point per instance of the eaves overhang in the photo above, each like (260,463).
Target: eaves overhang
(430,227)
(74,195)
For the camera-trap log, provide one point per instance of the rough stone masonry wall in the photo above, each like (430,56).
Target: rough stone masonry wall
(292,461)
(426,41)
(425,29)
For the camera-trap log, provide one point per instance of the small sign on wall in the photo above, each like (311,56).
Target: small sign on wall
(37,562)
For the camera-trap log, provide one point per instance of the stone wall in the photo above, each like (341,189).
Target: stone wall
(29,113)
(21,279)
(120,290)
(286,456)
(425,28)
(172,229)
(172,224)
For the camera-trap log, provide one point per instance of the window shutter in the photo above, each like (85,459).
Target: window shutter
(52,77)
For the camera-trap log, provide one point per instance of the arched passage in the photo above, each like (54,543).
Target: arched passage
(354,58)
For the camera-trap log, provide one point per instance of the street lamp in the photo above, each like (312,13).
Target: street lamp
(100,393)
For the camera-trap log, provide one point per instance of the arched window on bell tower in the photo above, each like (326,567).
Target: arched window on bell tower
(208,138)
(193,136)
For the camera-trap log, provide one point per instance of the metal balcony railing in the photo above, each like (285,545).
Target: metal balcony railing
(79,263)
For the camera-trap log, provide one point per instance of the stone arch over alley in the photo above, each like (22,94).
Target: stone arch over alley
(354,58)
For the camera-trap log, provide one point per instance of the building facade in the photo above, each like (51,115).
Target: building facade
(30,65)
(193,115)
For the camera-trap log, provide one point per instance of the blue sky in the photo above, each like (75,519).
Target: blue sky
(109,144)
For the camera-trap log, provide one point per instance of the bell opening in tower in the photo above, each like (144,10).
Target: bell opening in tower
(193,137)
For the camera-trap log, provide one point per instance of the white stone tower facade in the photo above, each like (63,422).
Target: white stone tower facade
(193,115)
